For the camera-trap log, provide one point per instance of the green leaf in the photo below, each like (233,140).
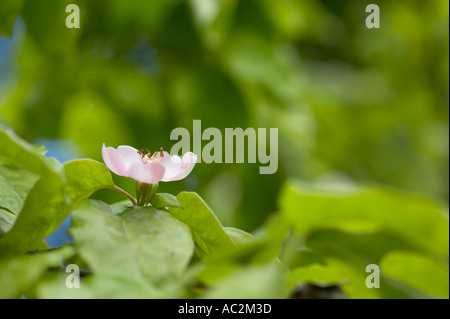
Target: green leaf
(238,236)
(315,273)
(419,271)
(20,273)
(163,200)
(45,200)
(7,220)
(263,248)
(143,243)
(120,207)
(221,265)
(266,281)
(347,229)
(348,254)
(83,177)
(15,184)
(24,155)
(96,286)
(86,176)
(206,229)
(417,219)
(45,204)
(51,201)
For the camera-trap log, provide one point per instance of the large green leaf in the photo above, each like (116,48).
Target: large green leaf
(207,230)
(163,200)
(315,273)
(346,255)
(259,249)
(83,177)
(86,176)
(46,199)
(15,184)
(7,220)
(25,155)
(143,243)
(46,203)
(417,219)
(266,281)
(347,229)
(96,286)
(238,236)
(419,271)
(51,200)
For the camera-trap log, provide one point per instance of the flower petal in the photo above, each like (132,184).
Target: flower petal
(129,155)
(148,173)
(180,167)
(113,161)
(171,163)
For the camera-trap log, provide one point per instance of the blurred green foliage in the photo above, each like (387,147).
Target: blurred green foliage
(354,106)
(320,244)
(369,105)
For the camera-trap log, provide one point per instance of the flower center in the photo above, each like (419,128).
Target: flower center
(147,156)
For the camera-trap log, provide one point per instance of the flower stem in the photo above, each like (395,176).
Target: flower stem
(145,192)
(120,190)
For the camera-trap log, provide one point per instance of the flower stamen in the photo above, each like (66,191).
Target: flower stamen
(147,156)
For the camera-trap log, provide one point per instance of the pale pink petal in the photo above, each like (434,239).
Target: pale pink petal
(181,168)
(189,158)
(172,164)
(166,160)
(129,155)
(113,161)
(148,173)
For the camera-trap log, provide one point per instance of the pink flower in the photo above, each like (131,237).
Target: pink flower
(144,167)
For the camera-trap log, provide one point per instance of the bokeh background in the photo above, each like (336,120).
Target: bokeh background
(351,104)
